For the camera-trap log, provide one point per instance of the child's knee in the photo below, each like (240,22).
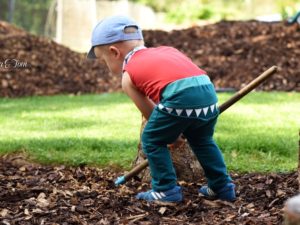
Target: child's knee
(147,144)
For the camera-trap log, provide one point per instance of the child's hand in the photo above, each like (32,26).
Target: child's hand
(180,141)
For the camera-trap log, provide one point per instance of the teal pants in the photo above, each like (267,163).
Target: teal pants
(187,107)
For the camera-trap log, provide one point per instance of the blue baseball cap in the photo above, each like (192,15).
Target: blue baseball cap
(112,30)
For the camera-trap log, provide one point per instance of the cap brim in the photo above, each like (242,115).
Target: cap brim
(91,54)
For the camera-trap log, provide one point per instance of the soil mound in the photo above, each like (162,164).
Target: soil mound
(31,65)
(232,53)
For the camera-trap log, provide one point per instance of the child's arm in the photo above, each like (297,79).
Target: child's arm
(143,103)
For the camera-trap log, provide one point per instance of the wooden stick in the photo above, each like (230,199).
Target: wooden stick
(244,91)
(240,94)
(136,170)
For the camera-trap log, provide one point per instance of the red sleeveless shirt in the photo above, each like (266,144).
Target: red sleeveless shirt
(152,69)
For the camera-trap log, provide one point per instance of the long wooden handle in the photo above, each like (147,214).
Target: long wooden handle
(236,97)
(136,170)
(244,91)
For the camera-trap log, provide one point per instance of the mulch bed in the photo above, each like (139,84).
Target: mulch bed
(232,53)
(36,194)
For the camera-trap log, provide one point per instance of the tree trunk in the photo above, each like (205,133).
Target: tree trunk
(185,162)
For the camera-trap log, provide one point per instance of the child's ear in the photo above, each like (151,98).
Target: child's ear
(114,51)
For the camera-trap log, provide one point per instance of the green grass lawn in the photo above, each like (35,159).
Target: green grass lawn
(259,133)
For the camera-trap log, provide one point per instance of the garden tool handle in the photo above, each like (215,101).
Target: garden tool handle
(136,170)
(240,94)
(249,87)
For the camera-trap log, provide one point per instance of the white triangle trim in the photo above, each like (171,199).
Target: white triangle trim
(212,108)
(169,109)
(160,106)
(198,111)
(188,112)
(205,110)
(178,111)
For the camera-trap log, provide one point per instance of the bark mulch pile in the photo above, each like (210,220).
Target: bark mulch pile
(232,53)
(35,194)
(44,67)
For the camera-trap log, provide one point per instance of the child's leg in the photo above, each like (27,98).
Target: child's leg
(200,138)
(161,129)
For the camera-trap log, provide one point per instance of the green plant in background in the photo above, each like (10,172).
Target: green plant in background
(159,5)
(189,11)
(29,14)
(179,11)
(288,8)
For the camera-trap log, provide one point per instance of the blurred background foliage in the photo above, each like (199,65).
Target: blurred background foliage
(32,14)
(28,14)
(180,11)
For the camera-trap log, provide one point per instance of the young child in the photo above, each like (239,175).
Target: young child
(175,96)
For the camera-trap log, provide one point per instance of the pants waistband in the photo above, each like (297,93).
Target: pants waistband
(184,83)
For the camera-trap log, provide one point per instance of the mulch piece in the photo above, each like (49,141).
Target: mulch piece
(36,194)
(232,53)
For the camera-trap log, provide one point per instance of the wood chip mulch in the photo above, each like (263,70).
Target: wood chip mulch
(36,194)
(233,53)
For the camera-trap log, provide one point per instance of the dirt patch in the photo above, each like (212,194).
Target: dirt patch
(35,194)
(232,53)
